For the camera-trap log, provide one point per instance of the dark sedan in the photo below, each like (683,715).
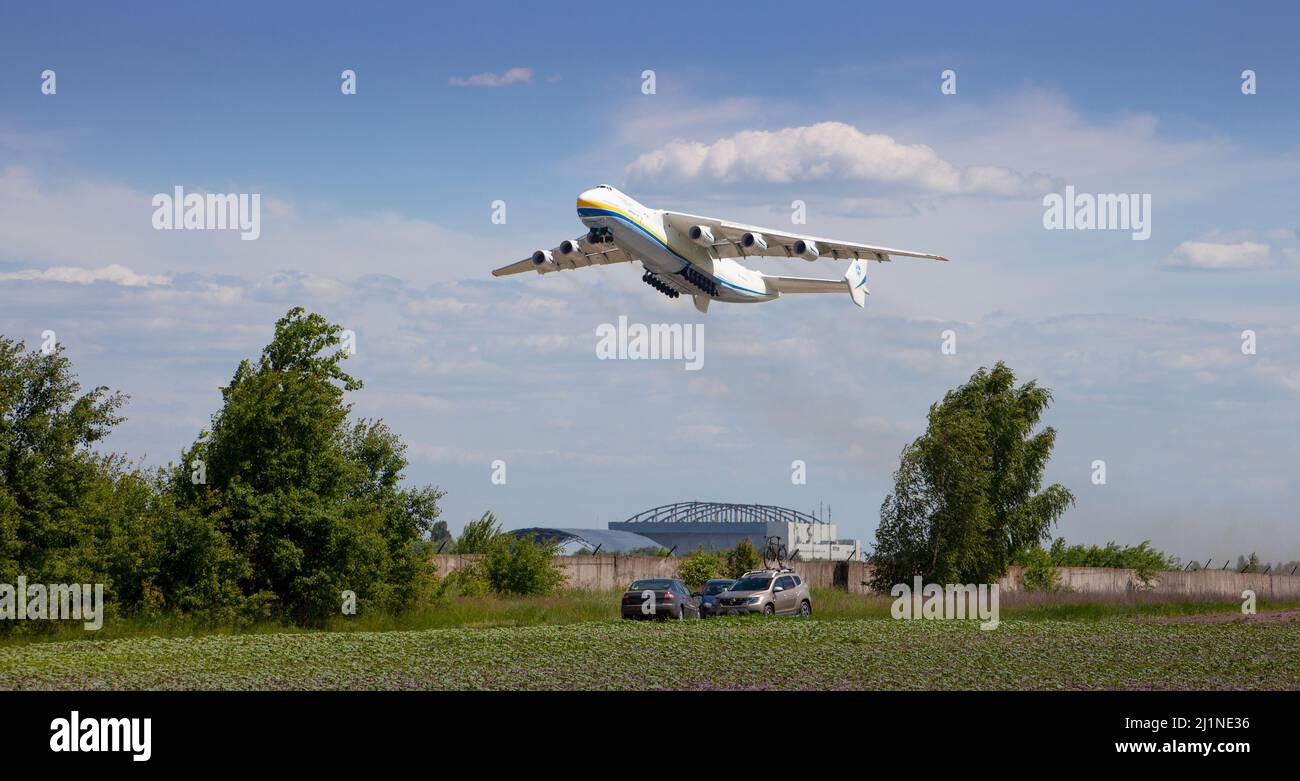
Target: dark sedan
(659,598)
(709,595)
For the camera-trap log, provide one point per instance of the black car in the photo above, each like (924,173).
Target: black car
(659,598)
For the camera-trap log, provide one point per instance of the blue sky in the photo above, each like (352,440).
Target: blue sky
(376,213)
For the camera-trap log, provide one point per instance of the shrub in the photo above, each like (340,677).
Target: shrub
(742,558)
(1143,558)
(1039,574)
(699,568)
(521,566)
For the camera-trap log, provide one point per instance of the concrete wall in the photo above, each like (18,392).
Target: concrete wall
(604,573)
(1201,583)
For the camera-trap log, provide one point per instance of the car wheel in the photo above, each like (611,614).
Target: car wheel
(805,608)
(769,609)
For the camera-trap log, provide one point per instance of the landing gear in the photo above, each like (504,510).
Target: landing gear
(700,281)
(599,236)
(660,285)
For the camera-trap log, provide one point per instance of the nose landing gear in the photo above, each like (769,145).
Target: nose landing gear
(599,236)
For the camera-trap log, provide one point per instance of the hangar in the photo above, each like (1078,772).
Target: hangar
(572,541)
(686,527)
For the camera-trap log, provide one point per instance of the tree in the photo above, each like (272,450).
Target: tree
(477,536)
(59,502)
(967,496)
(439,533)
(309,503)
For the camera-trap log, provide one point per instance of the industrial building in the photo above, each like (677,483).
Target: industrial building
(686,527)
(571,541)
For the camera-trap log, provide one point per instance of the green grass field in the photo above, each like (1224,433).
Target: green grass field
(568,607)
(733,653)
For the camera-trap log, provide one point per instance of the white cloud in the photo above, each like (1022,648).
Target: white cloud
(115,274)
(1209,256)
(512,76)
(827,151)
(88,222)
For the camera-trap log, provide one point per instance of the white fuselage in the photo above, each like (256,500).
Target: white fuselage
(672,257)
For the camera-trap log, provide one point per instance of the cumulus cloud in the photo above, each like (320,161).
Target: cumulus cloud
(828,151)
(510,77)
(1211,256)
(114,274)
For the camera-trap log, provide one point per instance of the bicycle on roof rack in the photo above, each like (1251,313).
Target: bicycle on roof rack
(774,552)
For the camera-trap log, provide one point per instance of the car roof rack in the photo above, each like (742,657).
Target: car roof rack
(778,571)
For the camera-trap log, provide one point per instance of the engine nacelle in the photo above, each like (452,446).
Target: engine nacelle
(569,247)
(806,250)
(753,241)
(701,234)
(544,260)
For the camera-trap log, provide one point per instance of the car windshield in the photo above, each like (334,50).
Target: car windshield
(650,585)
(751,584)
(716,588)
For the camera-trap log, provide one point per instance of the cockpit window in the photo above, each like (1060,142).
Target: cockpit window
(603,187)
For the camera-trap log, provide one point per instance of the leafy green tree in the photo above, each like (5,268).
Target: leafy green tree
(309,503)
(67,514)
(967,496)
(439,533)
(50,479)
(742,558)
(478,536)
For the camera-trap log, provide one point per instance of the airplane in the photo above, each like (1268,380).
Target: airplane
(693,255)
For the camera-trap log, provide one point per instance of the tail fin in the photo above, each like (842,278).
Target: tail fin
(856,279)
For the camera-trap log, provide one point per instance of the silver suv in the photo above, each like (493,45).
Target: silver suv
(767,591)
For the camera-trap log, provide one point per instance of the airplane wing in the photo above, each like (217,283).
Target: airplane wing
(574,253)
(737,240)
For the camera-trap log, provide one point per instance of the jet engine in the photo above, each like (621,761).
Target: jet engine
(806,250)
(753,241)
(544,260)
(701,234)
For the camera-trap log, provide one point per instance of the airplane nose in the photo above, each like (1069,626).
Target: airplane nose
(587,195)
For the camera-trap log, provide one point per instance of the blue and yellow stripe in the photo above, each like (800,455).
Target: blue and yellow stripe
(596,209)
